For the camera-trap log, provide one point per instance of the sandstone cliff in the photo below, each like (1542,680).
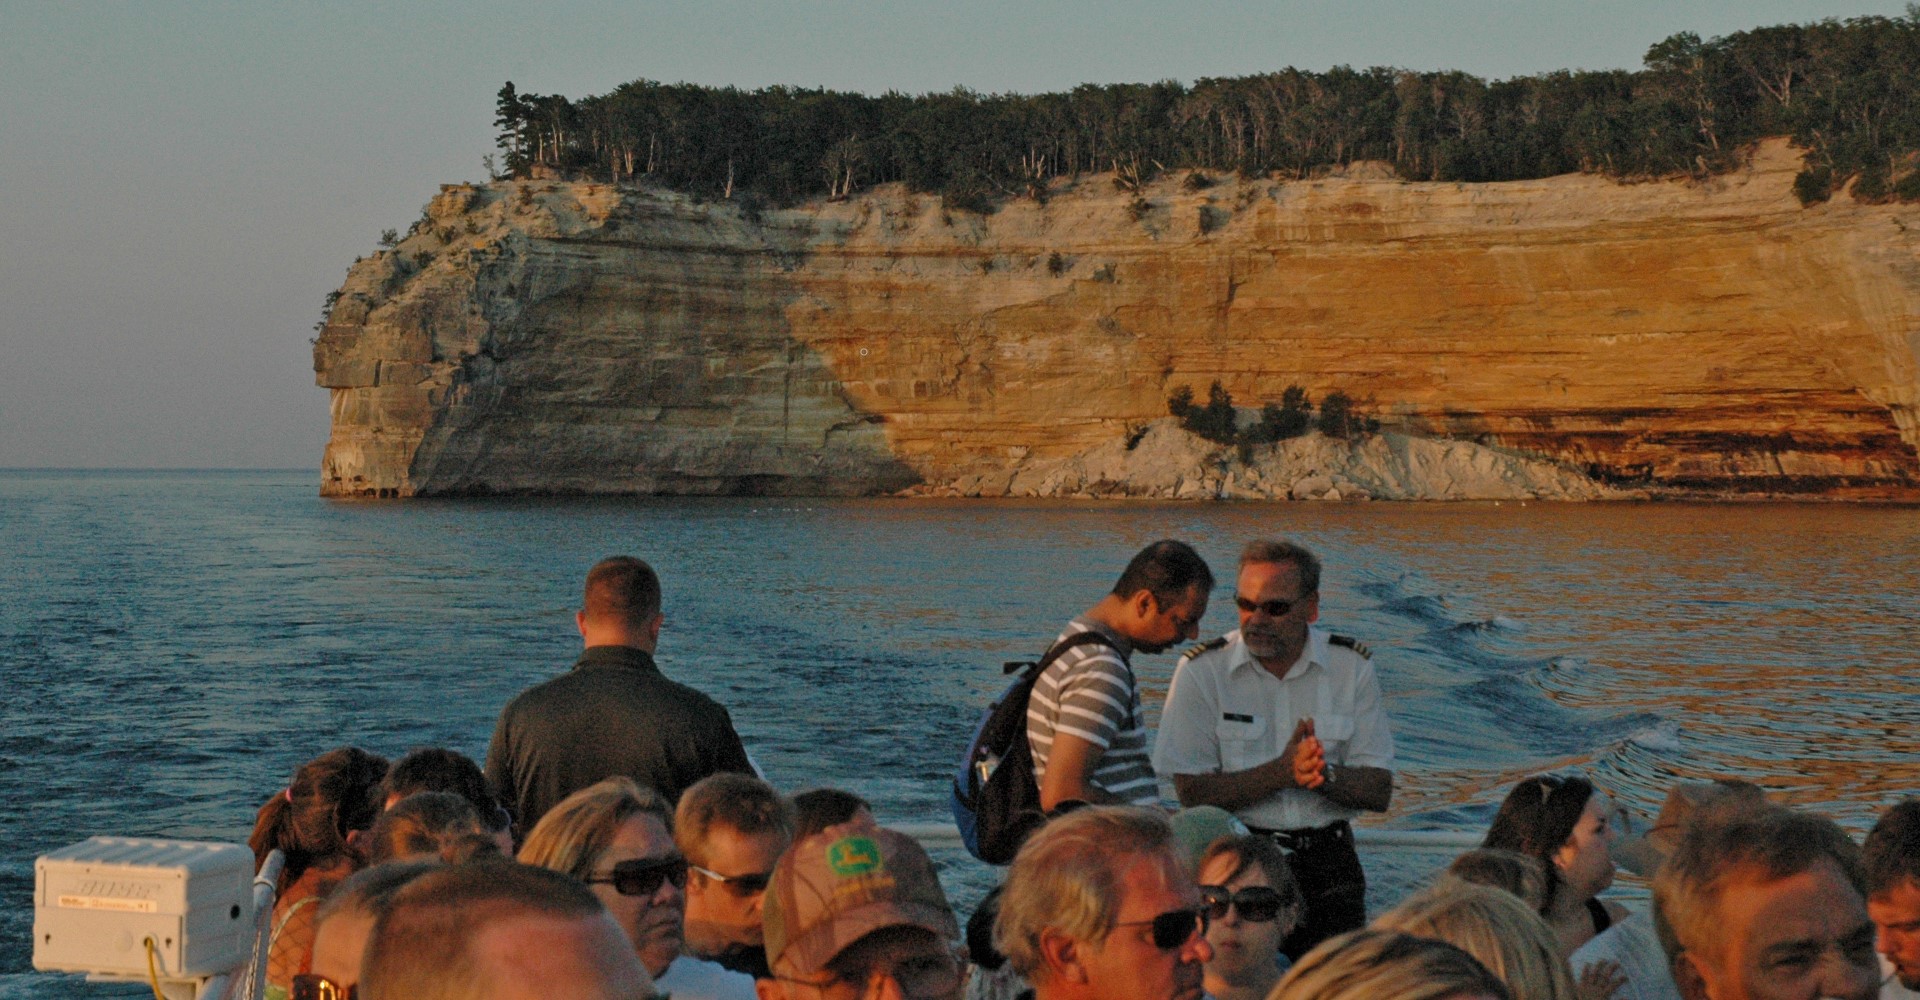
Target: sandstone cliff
(1674,336)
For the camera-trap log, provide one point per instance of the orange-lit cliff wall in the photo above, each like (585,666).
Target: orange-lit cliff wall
(584,338)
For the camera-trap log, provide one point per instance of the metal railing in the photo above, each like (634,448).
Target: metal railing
(1369,838)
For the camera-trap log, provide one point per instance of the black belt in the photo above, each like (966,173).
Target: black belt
(1307,837)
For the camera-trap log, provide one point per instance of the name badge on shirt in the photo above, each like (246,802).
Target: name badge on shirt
(1236,717)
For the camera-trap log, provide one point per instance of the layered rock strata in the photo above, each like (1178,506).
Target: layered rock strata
(1707,337)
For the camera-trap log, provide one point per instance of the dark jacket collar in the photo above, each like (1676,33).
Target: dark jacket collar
(626,657)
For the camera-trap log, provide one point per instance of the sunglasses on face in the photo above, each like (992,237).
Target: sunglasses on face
(740,885)
(642,876)
(1257,903)
(1272,609)
(308,986)
(1173,929)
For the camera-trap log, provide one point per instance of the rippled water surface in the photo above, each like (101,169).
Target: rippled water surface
(172,645)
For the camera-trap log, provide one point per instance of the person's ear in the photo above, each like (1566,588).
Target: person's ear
(1142,604)
(653,628)
(1688,975)
(359,843)
(1063,957)
(580,622)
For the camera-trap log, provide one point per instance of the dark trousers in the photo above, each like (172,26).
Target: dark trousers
(1327,869)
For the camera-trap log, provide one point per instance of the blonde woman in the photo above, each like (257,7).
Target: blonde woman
(1494,926)
(1370,964)
(617,837)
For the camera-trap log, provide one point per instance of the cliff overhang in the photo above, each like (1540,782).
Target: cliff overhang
(1698,338)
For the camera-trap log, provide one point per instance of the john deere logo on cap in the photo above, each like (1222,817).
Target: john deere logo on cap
(853,856)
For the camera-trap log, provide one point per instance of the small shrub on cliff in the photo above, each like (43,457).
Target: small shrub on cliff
(1870,187)
(1813,185)
(326,311)
(967,200)
(390,238)
(1139,207)
(1180,404)
(1337,418)
(1214,421)
(1056,264)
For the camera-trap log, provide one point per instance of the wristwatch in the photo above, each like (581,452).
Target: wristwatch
(1327,776)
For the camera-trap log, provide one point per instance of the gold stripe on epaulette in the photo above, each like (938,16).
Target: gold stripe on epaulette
(1353,644)
(1204,647)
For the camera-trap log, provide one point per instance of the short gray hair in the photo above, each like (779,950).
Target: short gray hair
(1067,877)
(1270,550)
(421,947)
(1775,841)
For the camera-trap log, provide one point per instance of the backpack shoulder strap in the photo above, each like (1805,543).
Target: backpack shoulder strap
(1058,650)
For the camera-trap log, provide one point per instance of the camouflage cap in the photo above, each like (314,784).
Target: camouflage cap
(844,883)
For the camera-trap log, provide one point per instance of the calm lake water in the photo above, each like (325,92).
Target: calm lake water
(173,644)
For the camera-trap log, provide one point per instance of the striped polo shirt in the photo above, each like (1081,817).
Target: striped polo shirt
(1089,692)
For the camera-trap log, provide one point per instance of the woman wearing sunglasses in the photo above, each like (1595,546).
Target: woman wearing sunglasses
(1253,905)
(617,837)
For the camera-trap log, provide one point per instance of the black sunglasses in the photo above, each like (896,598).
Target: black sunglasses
(310,986)
(642,876)
(1272,609)
(1256,903)
(1173,929)
(739,885)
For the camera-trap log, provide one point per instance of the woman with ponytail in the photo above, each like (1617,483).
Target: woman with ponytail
(317,823)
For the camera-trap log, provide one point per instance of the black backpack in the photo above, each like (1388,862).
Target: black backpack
(996,798)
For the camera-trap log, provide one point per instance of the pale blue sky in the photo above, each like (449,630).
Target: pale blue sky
(182,184)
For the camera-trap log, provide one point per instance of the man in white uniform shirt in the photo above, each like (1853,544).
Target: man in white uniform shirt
(1282,724)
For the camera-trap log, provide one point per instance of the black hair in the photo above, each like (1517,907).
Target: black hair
(1892,852)
(1168,570)
(437,769)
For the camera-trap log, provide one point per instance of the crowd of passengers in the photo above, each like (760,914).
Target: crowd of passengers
(426,878)
(404,881)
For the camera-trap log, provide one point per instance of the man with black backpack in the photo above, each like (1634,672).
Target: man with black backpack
(1084,723)
(1070,729)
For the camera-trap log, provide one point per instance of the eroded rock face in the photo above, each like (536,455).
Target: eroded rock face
(549,337)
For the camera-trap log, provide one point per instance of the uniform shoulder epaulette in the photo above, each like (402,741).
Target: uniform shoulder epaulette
(1353,644)
(1205,647)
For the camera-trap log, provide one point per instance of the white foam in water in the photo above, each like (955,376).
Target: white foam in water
(1662,736)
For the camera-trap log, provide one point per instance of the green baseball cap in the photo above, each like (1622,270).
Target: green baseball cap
(842,884)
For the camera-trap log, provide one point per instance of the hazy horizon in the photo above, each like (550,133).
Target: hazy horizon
(186,182)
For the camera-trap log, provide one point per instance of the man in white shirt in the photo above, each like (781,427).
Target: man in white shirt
(1283,725)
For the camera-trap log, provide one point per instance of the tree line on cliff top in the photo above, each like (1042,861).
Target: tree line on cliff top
(1847,92)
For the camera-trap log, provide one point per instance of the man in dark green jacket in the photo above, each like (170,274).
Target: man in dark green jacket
(614,713)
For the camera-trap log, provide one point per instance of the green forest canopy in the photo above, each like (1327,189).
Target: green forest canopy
(1845,91)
